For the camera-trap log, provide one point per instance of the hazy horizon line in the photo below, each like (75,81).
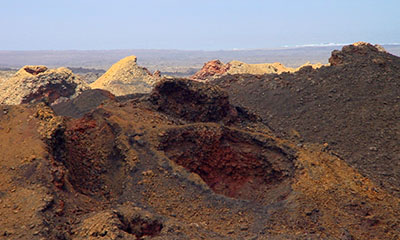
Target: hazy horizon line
(203,50)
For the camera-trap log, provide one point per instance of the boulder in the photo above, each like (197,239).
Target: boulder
(38,83)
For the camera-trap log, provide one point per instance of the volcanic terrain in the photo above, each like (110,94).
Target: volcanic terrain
(277,156)
(352,106)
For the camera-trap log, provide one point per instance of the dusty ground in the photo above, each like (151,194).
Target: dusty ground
(180,163)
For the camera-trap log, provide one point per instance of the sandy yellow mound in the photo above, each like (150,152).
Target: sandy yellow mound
(126,77)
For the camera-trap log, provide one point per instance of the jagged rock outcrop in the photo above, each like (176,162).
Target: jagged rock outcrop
(352,106)
(215,68)
(38,83)
(353,53)
(126,77)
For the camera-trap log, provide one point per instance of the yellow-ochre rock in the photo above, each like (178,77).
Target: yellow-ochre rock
(126,77)
(38,83)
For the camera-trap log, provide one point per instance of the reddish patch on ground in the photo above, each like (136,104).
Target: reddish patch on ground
(90,155)
(232,163)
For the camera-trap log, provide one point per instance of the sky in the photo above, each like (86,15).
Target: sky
(194,25)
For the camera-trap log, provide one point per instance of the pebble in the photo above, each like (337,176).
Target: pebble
(374,149)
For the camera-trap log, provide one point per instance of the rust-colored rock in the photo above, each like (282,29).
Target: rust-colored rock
(210,69)
(233,163)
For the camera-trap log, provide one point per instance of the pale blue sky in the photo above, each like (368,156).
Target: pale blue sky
(207,24)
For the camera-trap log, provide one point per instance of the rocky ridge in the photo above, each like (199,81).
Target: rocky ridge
(215,68)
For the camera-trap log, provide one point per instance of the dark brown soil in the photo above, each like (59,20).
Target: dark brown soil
(353,107)
(84,103)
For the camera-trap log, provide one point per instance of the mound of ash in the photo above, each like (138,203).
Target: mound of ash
(194,101)
(87,101)
(215,68)
(126,77)
(352,106)
(38,83)
(169,166)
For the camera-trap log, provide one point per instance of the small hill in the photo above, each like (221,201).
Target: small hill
(215,69)
(37,83)
(126,77)
(353,106)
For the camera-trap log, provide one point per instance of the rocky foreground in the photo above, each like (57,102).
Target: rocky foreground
(190,161)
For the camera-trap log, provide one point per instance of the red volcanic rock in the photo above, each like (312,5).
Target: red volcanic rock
(211,68)
(231,162)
